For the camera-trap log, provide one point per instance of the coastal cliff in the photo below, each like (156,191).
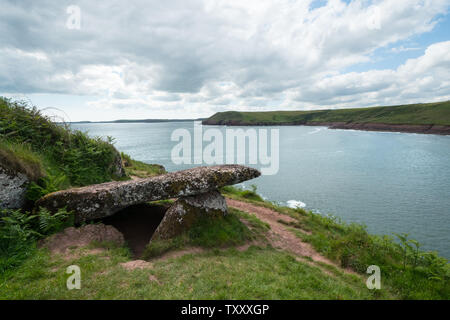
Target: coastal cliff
(432,118)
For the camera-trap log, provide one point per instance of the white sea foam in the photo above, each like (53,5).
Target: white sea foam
(295,204)
(315,130)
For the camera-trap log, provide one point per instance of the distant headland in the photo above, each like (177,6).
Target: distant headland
(140,121)
(429,118)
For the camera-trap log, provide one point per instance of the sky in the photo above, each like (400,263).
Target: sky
(107,60)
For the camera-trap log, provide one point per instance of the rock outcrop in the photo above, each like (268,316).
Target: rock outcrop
(13,186)
(102,200)
(363,126)
(16,173)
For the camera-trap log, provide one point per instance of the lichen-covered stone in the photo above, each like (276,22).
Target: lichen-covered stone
(13,186)
(102,200)
(186,211)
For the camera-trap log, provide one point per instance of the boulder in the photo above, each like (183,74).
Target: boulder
(186,211)
(102,200)
(13,186)
(16,173)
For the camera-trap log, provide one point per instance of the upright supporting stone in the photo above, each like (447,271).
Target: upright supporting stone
(186,211)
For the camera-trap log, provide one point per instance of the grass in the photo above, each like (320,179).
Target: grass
(257,273)
(134,168)
(54,157)
(212,232)
(81,160)
(414,114)
(19,157)
(19,232)
(223,272)
(220,272)
(408,272)
(241,193)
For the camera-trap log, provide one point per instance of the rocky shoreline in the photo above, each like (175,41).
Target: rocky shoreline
(385,127)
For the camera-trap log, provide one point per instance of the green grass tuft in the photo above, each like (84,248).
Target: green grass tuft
(212,232)
(19,157)
(241,193)
(60,150)
(140,169)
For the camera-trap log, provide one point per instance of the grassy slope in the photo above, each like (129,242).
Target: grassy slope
(134,168)
(221,272)
(19,157)
(55,158)
(65,157)
(431,113)
(71,155)
(257,273)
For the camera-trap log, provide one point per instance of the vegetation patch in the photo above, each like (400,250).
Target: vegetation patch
(212,232)
(407,272)
(20,231)
(134,168)
(18,157)
(257,273)
(414,114)
(67,157)
(242,193)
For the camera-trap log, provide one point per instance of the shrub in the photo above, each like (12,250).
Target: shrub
(140,169)
(20,230)
(68,157)
(19,157)
(246,194)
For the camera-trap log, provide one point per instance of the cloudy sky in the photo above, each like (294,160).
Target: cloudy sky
(192,58)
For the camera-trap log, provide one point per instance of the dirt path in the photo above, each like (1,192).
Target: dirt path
(279,235)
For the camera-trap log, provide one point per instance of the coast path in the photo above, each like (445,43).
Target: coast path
(280,236)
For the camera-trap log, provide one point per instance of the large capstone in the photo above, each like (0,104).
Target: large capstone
(102,200)
(186,211)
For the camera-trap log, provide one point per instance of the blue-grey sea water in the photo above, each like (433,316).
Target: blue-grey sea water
(391,182)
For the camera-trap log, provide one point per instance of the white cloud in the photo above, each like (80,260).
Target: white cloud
(216,55)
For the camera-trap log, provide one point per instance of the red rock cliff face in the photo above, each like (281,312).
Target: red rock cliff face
(425,129)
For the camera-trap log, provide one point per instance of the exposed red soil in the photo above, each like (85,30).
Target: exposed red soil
(279,235)
(72,238)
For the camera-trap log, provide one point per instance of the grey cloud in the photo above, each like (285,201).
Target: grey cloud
(181,50)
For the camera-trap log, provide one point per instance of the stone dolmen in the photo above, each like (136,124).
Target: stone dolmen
(197,190)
